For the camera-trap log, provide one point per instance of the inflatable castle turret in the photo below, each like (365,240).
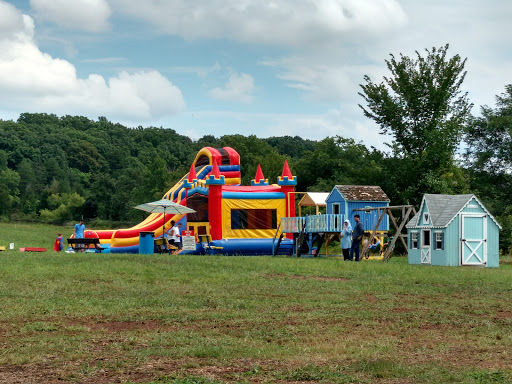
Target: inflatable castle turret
(288,183)
(259,179)
(214,182)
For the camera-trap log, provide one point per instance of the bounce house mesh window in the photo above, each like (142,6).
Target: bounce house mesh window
(199,203)
(253,219)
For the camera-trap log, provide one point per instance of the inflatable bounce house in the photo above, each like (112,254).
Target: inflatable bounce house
(230,218)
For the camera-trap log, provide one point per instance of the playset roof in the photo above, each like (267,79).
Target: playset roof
(362,192)
(313,199)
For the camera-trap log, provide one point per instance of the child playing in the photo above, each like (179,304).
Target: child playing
(58,243)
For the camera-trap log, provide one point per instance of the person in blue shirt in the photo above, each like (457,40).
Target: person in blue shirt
(345,242)
(78,233)
(357,236)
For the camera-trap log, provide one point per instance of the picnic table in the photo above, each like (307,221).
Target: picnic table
(80,244)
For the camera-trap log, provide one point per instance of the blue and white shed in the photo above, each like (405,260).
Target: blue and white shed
(343,199)
(453,230)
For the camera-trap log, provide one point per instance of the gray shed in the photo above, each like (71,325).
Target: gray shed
(453,230)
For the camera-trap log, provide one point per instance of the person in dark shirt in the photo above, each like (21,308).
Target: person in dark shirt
(357,236)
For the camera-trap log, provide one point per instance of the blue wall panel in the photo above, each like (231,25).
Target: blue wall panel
(370,219)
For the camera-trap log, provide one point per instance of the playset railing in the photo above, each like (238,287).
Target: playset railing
(313,223)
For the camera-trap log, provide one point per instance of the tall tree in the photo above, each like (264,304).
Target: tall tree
(423,108)
(489,137)
(489,161)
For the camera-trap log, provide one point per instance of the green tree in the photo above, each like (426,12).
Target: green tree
(489,161)
(5,203)
(489,137)
(28,186)
(423,108)
(64,207)
(10,180)
(336,160)
(3,160)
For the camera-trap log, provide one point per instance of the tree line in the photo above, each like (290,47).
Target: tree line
(55,169)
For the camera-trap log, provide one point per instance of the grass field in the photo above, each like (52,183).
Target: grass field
(76,318)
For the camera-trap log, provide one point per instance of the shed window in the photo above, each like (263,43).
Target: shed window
(336,209)
(439,240)
(426,218)
(414,240)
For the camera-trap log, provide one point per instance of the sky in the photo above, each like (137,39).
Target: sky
(250,67)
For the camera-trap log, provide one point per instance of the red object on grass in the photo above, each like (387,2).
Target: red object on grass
(34,249)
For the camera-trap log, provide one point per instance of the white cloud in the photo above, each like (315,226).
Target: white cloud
(14,26)
(86,15)
(140,96)
(285,22)
(335,122)
(33,81)
(239,87)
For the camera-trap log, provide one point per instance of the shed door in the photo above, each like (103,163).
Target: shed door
(473,242)
(426,253)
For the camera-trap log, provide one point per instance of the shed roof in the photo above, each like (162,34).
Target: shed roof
(362,192)
(312,199)
(443,208)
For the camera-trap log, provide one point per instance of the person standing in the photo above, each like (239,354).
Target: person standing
(357,236)
(170,233)
(57,246)
(78,232)
(177,241)
(345,242)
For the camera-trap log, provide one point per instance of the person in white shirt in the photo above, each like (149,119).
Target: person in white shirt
(177,237)
(174,235)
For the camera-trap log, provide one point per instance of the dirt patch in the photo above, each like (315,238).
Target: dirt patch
(400,310)
(301,277)
(503,315)
(30,374)
(121,326)
(72,372)
(370,298)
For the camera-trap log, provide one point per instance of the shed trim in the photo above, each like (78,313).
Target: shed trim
(332,191)
(469,213)
(417,227)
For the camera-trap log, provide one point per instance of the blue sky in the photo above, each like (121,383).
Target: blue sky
(264,67)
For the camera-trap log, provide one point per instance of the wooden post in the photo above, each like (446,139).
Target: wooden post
(399,232)
(367,245)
